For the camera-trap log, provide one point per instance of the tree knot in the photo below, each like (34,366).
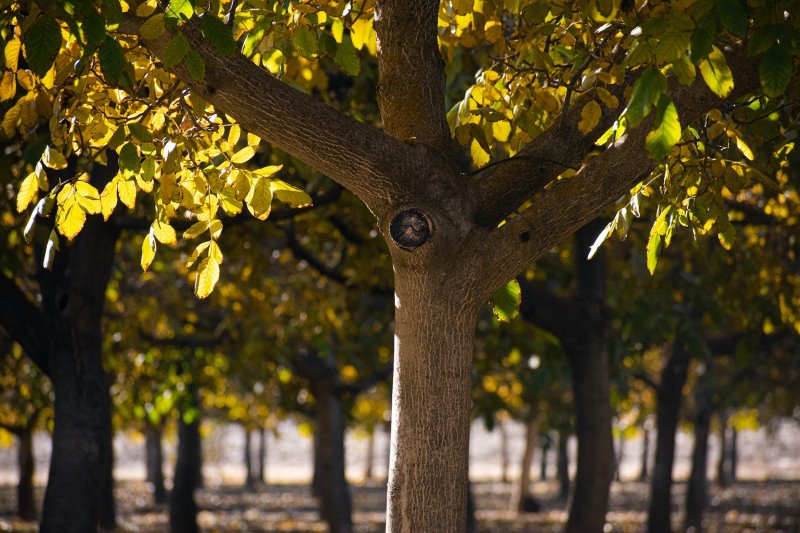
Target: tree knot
(410,229)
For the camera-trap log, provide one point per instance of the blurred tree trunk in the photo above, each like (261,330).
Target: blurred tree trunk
(369,460)
(108,511)
(734,453)
(504,458)
(697,490)
(543,458)
(562,466)
(645,459)
(726,466)
(673,377)
(249,477)
(620,456)
(154,457)
(182,503)
(523,493)
(261,471)
(26,502)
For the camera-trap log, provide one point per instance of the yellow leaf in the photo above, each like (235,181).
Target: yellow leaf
(362,34)
(243,155)
(164,232)
(27,192)
(590,117)
(127,192)
(479,155)
(54,159)
(195,230)
(108,199)
(290,195)
(267,171)
(716,73)
(148,250)
(152,28)
(611,101)
(742,146)
(253,140)
(25,79)
(88,197)
(259,198)
(207,277)
(146,8)
(501,130)
(8,87)
(234,133)
(215,252)
(12,54)
(70,218)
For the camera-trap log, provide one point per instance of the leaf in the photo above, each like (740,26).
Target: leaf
(195,65)
(54,159)
(347,57)
(733,17)
(716,73)
(305,41)
(207,277)
(140,132)
(195,230)
(590,117)
(775,70)
(94,29)
(218,33)
(112,11)
(480,156)
(127,192)
(163,232)
(667,130)
(70,218)
(152,28)
(726,233)
(108,199)
(601,238)
(27,192)
(11,53)
(112,61)
(175,52)
(8,86)
(653,249)
(88,197)
(243,155)
(149,247)
(259,199)
(129,158)
(290,195)
(702,39)
(42,43)
(646,92)
(506,301)
(50,250)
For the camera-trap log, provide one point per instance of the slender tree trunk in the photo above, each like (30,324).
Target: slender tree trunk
(261,471)
(154,454)
(724,451)
(73,295)
(543,459)
(620,456)
(26,502)
(504,458)
(182,503)
(673,377)
(369,459)
(734,453)
(645,459)
(562,466)
(523,496)
(249,477)
(431,402)
(697,491)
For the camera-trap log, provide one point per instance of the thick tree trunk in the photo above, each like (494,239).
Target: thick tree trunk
(108,510)
(431,402)
(261,471)
(154,457)
(182,503)
(644,468)
(504,458)
(73,296)
(697,491)
(673,377)
(523,498)
(329,460)
(562,466)
(26,502)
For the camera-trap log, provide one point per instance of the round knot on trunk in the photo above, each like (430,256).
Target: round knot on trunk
(410,229)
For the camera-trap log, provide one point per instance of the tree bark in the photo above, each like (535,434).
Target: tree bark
(619,457)
(734,453)
(644,469)
(524,490)
(697,490)
(369,458)
(73,295)
(562,466)
(249,477)
(504,456)
(154,457)
(261,471)
(543,460)
(108,508)
(26,502)
(673,377)
(182,503)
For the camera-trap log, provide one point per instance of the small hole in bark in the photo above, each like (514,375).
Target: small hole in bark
(525,236)
(210,89)
(410,229)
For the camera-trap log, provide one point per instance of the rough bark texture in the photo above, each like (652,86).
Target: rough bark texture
(73,294)
(26,503)
(154,457)
(182,503)
(697,490)
(108,508)
(523,493)
(673,377)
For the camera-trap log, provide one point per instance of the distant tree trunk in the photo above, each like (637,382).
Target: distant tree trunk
(504,459)
(108,511)
(182,504)
(543,459)
(261,471)
(524,495)
(620,456)
(26,502)
(645,460)
(369,458)
(73,294)
(154,453)
(673,377)
(697,491)
(472,521)
(734,453)
(249,477)
(725,466)
(562,466)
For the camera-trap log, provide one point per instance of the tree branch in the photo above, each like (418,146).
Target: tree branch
(356,155)
(411,72)
(24,323)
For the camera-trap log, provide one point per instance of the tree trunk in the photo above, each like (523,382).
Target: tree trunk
(562,466)
(431,403)
(108,511)
(369,458)
(261,471)
(697,491)
(26,502)
(523,497)
(73,295)
(504,459)
(734,453)
(249,477)
(543,459)
(645,460)
(673,377)
(329,460)
(182,504)
(620,456)
(725,466)
(154,453)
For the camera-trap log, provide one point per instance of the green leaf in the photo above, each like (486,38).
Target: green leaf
(195,65)
(129,158)
(702,39)
(219,34)
(179,10)
(347,57)
(153,28)
(667,130)
(646,91)
(175,52)
(112,61)
(716,73)
(305,41)
(653,249)
(506,301)
(42,43)
(733,17)
(726,233)
(762,39)
(112,12)
(94,29)
(775,69)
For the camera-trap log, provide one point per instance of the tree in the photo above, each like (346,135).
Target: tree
(554,75)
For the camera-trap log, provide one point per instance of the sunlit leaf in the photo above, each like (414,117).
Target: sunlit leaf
(207,277)
(716,73)
(667,129)
(289,194)
(506,301)
(590,117)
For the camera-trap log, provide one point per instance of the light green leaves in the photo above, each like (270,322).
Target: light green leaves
(716,73)
(667,130)
(42,42)
(175,52)
(152,28)
(305,41)
(661,232)
(347,57)
(590,117)
(218,34)
(290,195)
(646,92)
(505,302)
(775,70)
